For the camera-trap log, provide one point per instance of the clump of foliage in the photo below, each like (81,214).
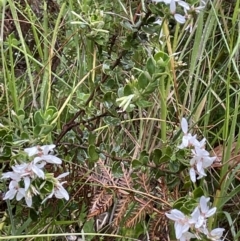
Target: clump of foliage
(101,89)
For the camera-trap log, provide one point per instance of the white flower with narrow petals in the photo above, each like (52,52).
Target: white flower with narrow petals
(197,222)
(43,154)
(200,144)
(58,190)
(197,219)
(29,171)
(14,189)
(39,150)
(181,224)
(49,159)
(13,175)
(205,211)
(178,17)
(216,234)
(173,7)
(199,162)
(188,139)
(201,213)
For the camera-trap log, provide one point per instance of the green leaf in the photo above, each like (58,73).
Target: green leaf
(165,158)
(117,170)
(198,192)
(173,182)
(5,152)
(24,135)
(161,58)
(89,227)
(36,130)
(92,153)
(8,138)
(46,129)
(179,203)
(127,90)
(157,154)
(144,157)
(136,164)
(46,187)
(148,30)
(21,115)
(121,92)
(112,121)
(142,81)
(174,166)
(169,151)
(2,133)
(99,41)
(91,138)
(106,67)
(127,25)
(187,184)
(108,99)
(15,119)
(38,118)
(151,87)
(189,205)
(50,113)
(151,63)
(143,103)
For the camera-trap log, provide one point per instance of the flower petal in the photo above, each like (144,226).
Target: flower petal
(38,172)
(47,148)
(27,182)
(10,194)
(13,175)
(184,5)
(204,204)
(28,199)
(211,212)
(179,18)
(173,6)
(192,174)
(63,175)
(31,151)
(175,215)
(216,233)
(20,194)
(62,193)
(184,126)
(51,159)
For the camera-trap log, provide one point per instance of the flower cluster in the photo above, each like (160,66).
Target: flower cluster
(196,222)
(187,9)
(200,157)
(25,177)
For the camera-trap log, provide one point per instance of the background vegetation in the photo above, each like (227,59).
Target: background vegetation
(108,86)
